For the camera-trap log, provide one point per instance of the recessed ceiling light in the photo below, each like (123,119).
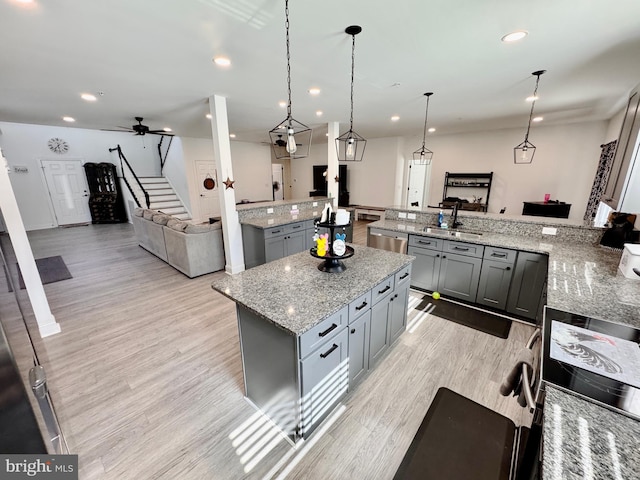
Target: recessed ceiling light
(232,135)
(314,91)
(531,98)
(319,113)
(282,104)
(537,119)
(88,97)
(208,115)
(431,130)
(68,119)
(395,118)
(222,61)
(166,129)
(514,36)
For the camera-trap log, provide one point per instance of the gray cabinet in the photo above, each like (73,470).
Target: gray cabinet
(528,284)
(359,348)
(265,245)
(398,313)
(378,341)
(495,277)
(460,271)
(426,270)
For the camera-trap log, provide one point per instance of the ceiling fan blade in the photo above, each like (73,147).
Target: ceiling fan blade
(114,130)
(160,132)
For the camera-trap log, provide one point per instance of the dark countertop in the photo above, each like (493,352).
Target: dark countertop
(294,295)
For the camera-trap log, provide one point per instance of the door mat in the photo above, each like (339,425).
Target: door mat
(51,270)
(469,317)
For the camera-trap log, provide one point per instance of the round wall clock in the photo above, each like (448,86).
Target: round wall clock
(57,145)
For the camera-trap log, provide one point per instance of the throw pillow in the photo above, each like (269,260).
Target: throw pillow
(200,228)
(161,218)
(176,225)
(138,212)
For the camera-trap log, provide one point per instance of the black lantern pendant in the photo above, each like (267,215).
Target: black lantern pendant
(423,155)
(524,152)
(350,145)
(290,138)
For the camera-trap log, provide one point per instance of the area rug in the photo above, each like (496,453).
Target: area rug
(469,317)
(51,269)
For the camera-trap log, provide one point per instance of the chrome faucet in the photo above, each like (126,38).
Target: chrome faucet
(454,213)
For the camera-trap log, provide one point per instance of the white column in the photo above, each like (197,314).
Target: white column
(47,324)
(333,129)
(231,229)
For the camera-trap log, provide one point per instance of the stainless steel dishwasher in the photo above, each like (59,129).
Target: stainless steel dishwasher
(387,240)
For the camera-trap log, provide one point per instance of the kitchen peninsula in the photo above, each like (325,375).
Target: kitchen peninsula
(307,337)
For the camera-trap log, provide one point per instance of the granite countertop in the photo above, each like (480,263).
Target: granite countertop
(581,439)
(583,278)
(278,220)
(585,441)
(294,295)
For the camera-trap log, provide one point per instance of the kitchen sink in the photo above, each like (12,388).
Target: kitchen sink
(451,233)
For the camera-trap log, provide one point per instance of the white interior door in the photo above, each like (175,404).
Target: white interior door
(208,191)
(417,190)
(277,177)
(67,185)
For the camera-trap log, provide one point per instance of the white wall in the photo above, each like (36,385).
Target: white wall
(25,145)
(564,165)
(175,171)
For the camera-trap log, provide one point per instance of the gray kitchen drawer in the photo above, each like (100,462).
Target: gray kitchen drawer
(403,276)
(284,229)
(322,332)
(359,306)
(426,242)
(500,254)
(382,289)
(462,248)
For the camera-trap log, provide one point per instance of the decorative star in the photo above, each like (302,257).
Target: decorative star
(228,183)
(337,179)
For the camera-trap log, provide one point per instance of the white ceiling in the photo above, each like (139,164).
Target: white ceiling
(153,58)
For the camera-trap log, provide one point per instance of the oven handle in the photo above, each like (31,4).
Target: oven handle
(526,386)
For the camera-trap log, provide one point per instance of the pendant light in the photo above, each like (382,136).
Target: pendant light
(423,155)
(524,152)
(350,145)
(290,138)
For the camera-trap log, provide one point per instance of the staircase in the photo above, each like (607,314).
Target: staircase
(163,198)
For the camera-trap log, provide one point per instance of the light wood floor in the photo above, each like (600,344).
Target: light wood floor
(147,377)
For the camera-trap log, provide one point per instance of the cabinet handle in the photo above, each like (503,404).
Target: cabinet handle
(444,256)
(404,276)
(461,249)
(508,268)
(353,330)
(328,352)
(380,292)
(332,327)
(275,231)
(438,256)
(296,226)
(395,296)
(424,243)
(364,304)
(499,255)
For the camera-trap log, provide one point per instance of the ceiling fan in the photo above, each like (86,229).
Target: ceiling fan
(139,129)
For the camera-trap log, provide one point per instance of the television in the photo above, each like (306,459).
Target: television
(320,182)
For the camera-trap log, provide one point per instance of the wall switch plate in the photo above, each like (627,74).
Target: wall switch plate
(269,210)
(314,213)
(294,207)
(549,230)
(402,215)
(411,216)
(315,204)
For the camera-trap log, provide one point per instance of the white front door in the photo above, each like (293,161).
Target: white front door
(277,177)
(207,181)
(67,185)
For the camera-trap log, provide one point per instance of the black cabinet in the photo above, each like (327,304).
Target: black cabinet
(106,203)
(528,285)
(495,278)
(548,209)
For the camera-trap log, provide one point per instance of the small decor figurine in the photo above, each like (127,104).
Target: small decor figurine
(339,247)
(322,241)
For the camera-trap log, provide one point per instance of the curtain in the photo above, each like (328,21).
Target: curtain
(600,182)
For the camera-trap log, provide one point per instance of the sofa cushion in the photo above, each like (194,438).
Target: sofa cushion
(161,218)
(202,228)
(138,212)
(148,214)
(177,225)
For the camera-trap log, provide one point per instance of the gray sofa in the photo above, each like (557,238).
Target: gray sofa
(192,249)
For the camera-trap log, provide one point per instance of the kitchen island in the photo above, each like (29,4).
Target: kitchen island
(581,438)
(307,337)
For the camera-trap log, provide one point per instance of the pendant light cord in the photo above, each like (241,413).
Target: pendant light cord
(353,61)
(424,134)
(533,104)
(286,25)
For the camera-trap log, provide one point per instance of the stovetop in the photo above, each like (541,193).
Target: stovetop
(593,358)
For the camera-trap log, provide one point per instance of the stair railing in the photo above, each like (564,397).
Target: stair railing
(163,158)
(128,175)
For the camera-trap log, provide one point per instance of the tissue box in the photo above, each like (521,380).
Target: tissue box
(630,260)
